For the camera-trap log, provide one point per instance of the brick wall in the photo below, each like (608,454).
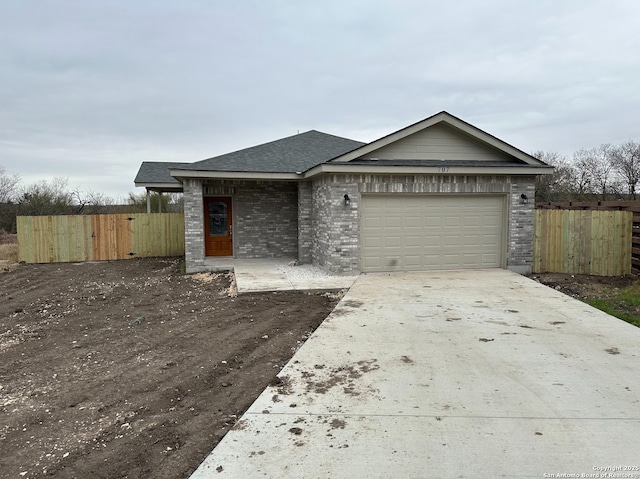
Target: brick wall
(310,221)
(265,219)
(336,227)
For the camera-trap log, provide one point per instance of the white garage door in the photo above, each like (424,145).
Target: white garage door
(405,233)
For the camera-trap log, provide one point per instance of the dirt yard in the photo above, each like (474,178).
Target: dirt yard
(131,368)
(585,287)
(618,296)
(8,252)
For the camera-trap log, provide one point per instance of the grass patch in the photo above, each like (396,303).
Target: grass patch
(630,295)
(622,304)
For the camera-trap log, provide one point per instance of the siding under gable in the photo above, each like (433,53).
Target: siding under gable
(438,142)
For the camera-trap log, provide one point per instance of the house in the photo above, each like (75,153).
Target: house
(438,194)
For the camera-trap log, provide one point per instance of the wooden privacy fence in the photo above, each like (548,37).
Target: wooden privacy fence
(56,239)
(565,241)
(582,242)
(635,242)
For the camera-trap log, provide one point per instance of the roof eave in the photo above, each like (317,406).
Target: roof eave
(174,184)
(166,187)
(516,170)
(234,175)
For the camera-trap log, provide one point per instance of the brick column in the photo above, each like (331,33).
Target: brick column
(335,225)
(304,222)
(520,254)
(193,225)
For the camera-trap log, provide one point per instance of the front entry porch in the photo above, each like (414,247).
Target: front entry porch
(277,274)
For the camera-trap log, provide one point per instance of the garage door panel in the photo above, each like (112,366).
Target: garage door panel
(392,242)
(412,261)
(431,260)
(431,242)
(392,205)
(413,221)
(375,242)
(430,223)
(413,202)
(451,241)
(413,242)
(469,242)
(487,239)
(372,222)
(373,201)
(492,222)
(392,222)
(431,232)
(470,258)
(452,262)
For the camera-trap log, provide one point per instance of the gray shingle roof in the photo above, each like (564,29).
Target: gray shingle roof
(157,172)
(288,155)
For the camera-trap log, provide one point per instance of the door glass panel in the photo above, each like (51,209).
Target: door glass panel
(218,219)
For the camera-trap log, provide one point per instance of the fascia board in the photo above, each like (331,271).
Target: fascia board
(237,175)
(431,170)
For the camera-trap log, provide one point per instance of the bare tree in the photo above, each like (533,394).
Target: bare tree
(594,171)
(598,163)
(559,184)
(626,158)
(582,177)
(8,186)
(45,198)
(91,202)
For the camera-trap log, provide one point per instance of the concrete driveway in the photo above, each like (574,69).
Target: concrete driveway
(447,374)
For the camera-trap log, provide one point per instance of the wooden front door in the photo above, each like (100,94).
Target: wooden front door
(218,226)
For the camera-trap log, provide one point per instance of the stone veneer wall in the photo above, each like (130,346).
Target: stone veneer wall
(335,230)
(193,225)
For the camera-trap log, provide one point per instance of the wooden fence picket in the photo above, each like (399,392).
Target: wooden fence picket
(77,238)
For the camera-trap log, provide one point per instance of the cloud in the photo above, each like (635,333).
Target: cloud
(92,89)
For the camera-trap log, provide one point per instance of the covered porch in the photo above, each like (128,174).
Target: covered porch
(155,178)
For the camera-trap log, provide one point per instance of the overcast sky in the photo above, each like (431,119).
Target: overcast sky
(89,89)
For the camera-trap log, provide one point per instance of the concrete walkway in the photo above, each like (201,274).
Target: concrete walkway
(277,274)
(450,374)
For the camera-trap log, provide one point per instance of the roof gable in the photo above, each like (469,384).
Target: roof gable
(440,137)
(438,142)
